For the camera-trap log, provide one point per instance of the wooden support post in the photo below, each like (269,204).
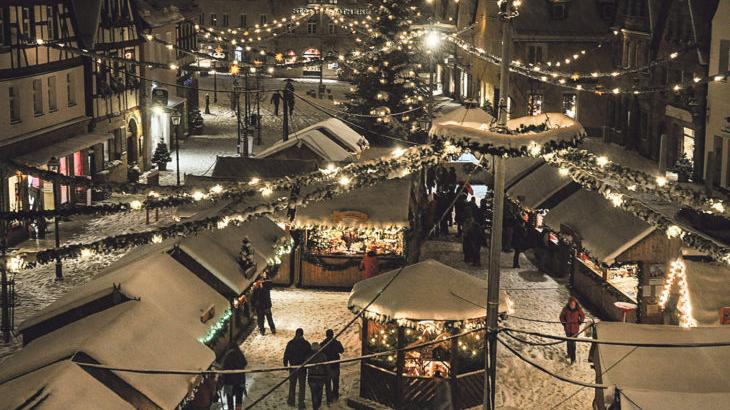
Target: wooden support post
(364,350)
(399,368)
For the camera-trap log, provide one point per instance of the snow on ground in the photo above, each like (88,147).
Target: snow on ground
(314,311)
(539,296)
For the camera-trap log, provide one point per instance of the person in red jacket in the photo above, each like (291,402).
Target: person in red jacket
(572,317)
(370,266)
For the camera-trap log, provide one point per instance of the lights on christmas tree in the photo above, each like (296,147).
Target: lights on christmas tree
(678,275)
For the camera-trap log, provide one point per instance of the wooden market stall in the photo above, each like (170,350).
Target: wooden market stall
(426,302)
(337,233)
(675,378)
(619,258)
(697,293)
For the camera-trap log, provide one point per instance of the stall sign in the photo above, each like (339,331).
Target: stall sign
(349,217)
(725,315)
(207,314)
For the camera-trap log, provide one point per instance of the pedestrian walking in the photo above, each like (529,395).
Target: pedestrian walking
(520,242)
(430,179)
(370,266)
(472,209)
(332,350)
(289,95)
(572,317)
(261,301)
(442,399)
(276,99)
(472,242)
(318,376)
(234,384)
(297,351)
(444,215)
(459,212)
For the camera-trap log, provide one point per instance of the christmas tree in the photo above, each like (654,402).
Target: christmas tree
(384,73)
(161,156)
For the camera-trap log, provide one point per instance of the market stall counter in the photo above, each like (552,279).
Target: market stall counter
(337,233)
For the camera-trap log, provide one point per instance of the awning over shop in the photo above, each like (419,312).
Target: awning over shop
(157,280)
(173,101)
(663,378)
(708,284)
(384,205)
(606,231)
(538,186)
(59,149)
(217,251)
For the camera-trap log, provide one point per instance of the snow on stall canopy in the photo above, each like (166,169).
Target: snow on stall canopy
(317,142)
(466,115)
(131,334)
(664,378)
(538,186)
(708,284)
(159,280)
(217,250)
(606,231)
(424,291)
(561,129)
(62,384)
(238,168)
(386,205)
(337,130)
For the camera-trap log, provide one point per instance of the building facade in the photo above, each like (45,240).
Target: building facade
(717,133)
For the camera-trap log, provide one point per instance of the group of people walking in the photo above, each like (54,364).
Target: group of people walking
(320,376)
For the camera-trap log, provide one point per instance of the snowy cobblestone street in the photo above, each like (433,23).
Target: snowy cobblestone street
(520,386)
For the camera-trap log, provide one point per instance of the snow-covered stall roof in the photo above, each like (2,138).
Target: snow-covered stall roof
(708,284)
(238,168)
(319,143)
(606,231)
(386,204)
(462,115)
(665,378)
(217,250)
(516,168)
(561,128)
(159,280)
(538,186)
(427,290)
(60,385)
(132,334)
(338,131)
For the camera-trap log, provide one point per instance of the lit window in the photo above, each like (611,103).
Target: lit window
(213,20)
(570,105)
(688,142)
(52,103)
(534,104)
(37,97)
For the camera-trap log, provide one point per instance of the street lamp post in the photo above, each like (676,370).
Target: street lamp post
(433,41)
(54,165)
(495,245)
(175,118)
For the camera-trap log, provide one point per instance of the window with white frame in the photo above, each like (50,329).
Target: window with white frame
(27,24)
(570,105)
(70,89)
(37,97)
(14,102)
(536,53)
(52,101)
(534,104)
(311,27)
(213,19)
(51,23)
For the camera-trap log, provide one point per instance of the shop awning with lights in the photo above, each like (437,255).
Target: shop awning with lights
(606,231)
(60,149)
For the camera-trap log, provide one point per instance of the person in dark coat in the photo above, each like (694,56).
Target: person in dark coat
(572,317)
(460,212)
(430,179)
(235,360)
(473,209)
(318,376)
(443,213)
(472,244)
(276,99)
(520,242)
(297,351)
(261,301)
(332,351)
(508,228)
(289,95)
(440,178)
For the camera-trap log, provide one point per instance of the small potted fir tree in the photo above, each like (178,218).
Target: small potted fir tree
(161,156)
